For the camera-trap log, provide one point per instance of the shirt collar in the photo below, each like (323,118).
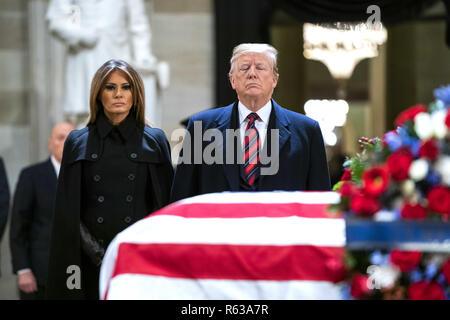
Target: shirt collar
(263,113)
(56,165)
(125,128)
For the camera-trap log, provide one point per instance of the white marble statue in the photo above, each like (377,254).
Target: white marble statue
(95,31)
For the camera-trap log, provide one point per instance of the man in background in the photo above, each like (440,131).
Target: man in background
(31,218)
(4,199)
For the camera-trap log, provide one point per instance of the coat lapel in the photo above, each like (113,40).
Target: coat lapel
(278,120)
(281,123)
(227,120)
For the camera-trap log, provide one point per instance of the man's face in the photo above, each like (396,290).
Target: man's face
(57,139)
(253,77)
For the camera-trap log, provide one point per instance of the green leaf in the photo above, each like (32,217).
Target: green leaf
(350,261)
(357,166)
(409,127)
(433,107)
(335,207)
(337,185)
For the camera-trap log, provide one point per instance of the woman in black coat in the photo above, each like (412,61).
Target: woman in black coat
(114,172)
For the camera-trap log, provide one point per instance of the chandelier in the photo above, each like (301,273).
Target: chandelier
(340,46)
(329,114)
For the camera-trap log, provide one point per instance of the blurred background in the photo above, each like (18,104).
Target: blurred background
(194,40)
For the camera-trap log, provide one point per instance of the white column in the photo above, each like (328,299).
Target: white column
(377,93)
(44,80)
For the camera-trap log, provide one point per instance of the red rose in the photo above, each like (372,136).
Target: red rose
(429,150)
(424,290)
(347,176)
(439,200)
(447,119)
(336,269)
(409,114)
(398,165)
(405,260)
(348,189)
(364,205)
(413,211)
(446,271)
(359,288)
(375,180)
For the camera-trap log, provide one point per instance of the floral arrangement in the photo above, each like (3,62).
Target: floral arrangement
(403,175)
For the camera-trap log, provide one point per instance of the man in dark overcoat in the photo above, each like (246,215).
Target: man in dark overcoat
(31,218)
(253,144)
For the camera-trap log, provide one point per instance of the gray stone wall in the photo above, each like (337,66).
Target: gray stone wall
(14,115)
(183,34)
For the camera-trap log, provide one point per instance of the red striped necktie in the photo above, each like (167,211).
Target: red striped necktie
(251,149)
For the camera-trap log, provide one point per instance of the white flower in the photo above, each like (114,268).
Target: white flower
(442,166)
(438,123)
(418,169)
(384,215)
(382,276)
(423,125)
(408,187)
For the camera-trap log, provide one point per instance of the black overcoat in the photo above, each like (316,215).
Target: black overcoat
(300,157)
(86,145)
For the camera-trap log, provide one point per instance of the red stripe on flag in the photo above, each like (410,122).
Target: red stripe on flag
(246,210)
(237,262)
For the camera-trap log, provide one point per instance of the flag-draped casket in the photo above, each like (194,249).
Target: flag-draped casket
(258,245)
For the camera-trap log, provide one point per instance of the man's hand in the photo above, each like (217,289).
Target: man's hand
(27,282)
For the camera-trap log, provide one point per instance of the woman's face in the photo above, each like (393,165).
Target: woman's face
(116,97)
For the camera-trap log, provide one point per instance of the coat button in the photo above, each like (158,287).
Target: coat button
(97,178)
(94,156)
(100,219)
(129,198)
(127,219)
(131,177)
(133,155)
(101,199)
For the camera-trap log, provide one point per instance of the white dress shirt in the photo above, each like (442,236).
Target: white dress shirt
(261,124)
(56,165)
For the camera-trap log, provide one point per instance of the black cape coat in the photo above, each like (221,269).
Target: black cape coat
(86,145)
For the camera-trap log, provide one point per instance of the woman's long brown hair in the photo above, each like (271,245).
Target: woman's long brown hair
(135,81)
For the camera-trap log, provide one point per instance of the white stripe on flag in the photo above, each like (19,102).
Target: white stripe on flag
(136,286)
(266,197)
(244,231)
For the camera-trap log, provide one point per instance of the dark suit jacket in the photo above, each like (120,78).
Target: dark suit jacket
(302,158)
(31,219)
(82,145)
(4,198)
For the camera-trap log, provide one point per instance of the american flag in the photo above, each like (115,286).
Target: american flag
(230,245)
